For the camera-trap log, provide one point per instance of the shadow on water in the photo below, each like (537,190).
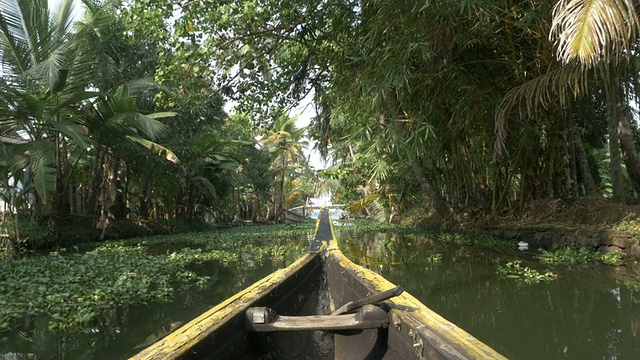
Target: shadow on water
(584,314)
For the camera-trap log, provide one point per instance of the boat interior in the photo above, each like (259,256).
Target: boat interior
(321,307)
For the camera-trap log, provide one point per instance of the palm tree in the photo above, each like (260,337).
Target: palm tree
(285,142)
(114,126)
(594,42)
(63,92)
(590,31)
(36,62)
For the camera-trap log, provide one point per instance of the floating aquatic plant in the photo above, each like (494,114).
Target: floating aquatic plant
(572,255)
(516,270)
(76,290)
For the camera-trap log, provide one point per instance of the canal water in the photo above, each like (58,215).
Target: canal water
(584,314)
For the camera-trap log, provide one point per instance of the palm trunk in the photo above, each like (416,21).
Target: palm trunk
(254,207)
(60,202)
(614,145)
(107,196)
(572,159)
(94,188)
(583,165)
(119,206)
(628,145)
(281,200)
(143,200)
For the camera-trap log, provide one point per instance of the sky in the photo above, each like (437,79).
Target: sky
(307,112)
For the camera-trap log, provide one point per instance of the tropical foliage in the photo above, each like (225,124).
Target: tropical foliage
(478,106)
(72,291)
(98,120)
(472,107)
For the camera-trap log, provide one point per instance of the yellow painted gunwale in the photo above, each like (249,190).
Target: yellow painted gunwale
(420,316)
(186,337)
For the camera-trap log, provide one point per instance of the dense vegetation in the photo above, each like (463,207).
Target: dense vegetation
(478,106)
(100,123)
(75,289)
(123,118)
(472,107)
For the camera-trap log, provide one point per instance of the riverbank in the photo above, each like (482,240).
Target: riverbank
(598,224)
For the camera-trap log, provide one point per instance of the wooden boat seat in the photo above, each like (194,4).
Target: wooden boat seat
(368,316)
(275,318)
(263,319)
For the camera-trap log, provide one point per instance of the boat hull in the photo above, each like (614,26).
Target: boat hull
(317,284)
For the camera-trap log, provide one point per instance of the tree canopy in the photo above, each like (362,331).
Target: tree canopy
(475,106)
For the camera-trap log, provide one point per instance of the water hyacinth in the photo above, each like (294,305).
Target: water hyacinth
(516,270)
(571,255)
(77,290)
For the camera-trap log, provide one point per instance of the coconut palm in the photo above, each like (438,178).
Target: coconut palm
(592,31)
(286,144)
(595,42)
(64,95)
(37,64)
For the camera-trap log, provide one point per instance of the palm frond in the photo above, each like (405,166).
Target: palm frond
(327,187)
(139,86)
(161,115)
(592,30)
(32,42)
(205,184)
(74,132)
(76,98)
(13,37)
(156,148)
(51,69)
(373,204)
(560,85)
(63,20)
(221,161)
(293,197)
(380,171)
(35,20)
(151,127)
(43,166)
(359,205)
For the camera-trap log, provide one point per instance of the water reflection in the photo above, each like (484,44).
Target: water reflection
(128,330)
(584,314)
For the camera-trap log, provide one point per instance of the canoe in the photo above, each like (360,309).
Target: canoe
(323,306)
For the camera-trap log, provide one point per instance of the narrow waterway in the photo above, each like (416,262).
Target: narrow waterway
(583,314)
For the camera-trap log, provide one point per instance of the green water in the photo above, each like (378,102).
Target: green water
(127,331)
(584,314)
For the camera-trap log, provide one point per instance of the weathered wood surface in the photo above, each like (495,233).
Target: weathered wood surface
(262,319)
(409,330)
